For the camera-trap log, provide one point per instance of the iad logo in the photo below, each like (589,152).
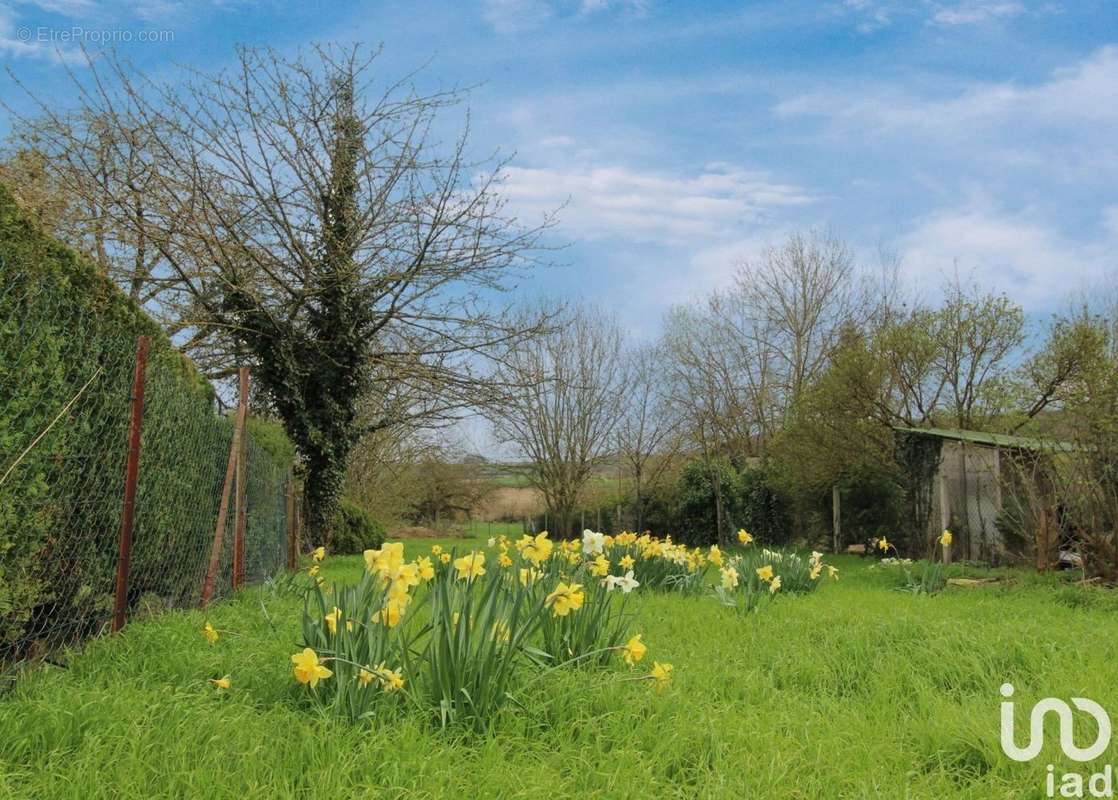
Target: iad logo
(1100,784)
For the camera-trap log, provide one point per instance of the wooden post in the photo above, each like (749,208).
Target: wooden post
(944,510)
(131,478)
(836,518)
(241,498)
(292,527)
(223,508)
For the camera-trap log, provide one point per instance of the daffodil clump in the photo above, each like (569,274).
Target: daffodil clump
(757,574)
(659,563)
(456,632)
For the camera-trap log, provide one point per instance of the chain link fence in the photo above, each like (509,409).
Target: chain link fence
(68,342)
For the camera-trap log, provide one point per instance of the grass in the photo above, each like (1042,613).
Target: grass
(856,690)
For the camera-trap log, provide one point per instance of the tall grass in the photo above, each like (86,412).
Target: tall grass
(855,691)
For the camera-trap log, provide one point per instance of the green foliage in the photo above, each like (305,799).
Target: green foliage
(749,496)
(67,353)
(354,530)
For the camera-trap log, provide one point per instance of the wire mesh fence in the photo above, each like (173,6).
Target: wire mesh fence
(68,343)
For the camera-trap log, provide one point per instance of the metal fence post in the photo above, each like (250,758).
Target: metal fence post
(223,508)
(241,499)
(131,478)
(292,527)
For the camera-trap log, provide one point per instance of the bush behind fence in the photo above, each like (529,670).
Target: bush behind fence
(67,354)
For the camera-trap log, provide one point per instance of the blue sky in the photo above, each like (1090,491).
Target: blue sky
(975,135)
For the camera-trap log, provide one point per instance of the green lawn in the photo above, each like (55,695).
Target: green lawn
(856,691)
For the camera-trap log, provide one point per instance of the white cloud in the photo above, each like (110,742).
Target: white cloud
(1086,92)
(1025,257)
(619,202)
(976,13)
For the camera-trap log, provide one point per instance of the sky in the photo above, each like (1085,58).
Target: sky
(677,140)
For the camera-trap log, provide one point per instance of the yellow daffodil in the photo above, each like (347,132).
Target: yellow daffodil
(626,562)
(565,599)
(765,573)
(307,669)
(436,549)
(774,587)
(882,544)
(715,555)
(444,557)
(945,538)
(536,549)
(528,576)
(634,650)
(832,572)
(744,537)
(600,567)
(426,568)
(312,570)
(729,578)
(815,570)
(332,620)
(364,677)
(319,553)
(504,560)
(390,680)
(661,675)
(470,566)
(209,632)
(222,683)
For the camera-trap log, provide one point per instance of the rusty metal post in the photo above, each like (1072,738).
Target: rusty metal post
(131,478)
(241,499)
(223,508)
(292,527)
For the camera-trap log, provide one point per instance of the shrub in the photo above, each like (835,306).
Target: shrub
(355,530)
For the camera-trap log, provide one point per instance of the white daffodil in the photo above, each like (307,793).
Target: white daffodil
(593,543)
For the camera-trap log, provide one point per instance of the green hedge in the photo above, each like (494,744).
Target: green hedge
(354,530)
(68,338)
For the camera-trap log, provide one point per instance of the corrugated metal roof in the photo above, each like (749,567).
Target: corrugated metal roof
(989,439)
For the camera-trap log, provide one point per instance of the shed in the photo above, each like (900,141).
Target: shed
(976,484)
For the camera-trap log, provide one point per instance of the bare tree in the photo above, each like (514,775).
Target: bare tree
(648,427)
(303,212)
(563,418)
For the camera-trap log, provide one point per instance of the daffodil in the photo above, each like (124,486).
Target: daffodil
(593,543)
(504,560)
(222,683)
(425,568)
(332,620)
(729,578)
(661,675)
(832,572)
(390,680)
(209,632)
(765,573)
(774,587)
(319,553)
(626,583)
(536,549)
(470,566)
(634,650)
(312,570)
(815,570)
(715,555)
(444,557)
(744,537)
(883,544)
(600,566)
(528,576)
(626,562)
(565,599)
(436,549)
(945,538)
(307,669)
